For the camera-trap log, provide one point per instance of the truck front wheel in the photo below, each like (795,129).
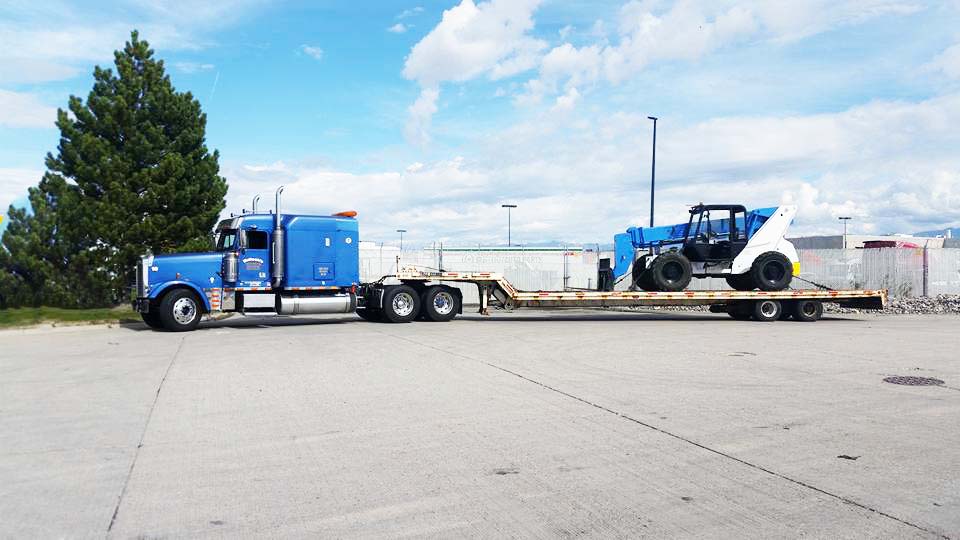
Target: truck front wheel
(152,318)
(180,311)
(400,304)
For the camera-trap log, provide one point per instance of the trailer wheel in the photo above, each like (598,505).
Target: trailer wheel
(771,271)
(767,310)
(439,304)
(741,282)
(807,310)
(370,315)
(671,272)
(152,318)
(180,310)
(400,304)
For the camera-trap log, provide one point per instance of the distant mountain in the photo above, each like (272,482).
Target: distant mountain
(954,232)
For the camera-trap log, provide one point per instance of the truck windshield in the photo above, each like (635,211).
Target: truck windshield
(226,238)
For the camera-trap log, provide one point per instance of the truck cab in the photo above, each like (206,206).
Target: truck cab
(262,262)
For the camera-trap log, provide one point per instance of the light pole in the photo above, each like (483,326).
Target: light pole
(844,219)
(509,207)
(653,166)
(401,231)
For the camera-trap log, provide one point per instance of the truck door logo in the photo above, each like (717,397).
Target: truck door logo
(253,263)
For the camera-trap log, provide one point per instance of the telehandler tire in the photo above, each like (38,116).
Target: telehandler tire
(772,271)
(671,272)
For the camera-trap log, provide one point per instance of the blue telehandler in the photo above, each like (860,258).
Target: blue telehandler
(747,248)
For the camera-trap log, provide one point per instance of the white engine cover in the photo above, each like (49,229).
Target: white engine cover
(770,237)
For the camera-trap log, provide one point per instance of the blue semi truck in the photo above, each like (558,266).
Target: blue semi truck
(291,264)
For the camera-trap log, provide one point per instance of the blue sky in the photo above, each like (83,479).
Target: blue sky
(429,115)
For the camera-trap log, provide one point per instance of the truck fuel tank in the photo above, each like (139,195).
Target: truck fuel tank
(309,305)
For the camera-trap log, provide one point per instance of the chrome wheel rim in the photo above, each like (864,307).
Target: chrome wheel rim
(809,309)
(443,303)
(768,309)
(403,304)
(184,310)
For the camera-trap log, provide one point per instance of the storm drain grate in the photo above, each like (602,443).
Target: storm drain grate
(913,381)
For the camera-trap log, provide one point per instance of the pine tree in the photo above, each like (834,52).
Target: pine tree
(132,174)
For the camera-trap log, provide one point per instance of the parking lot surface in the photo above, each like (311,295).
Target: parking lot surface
(535,424)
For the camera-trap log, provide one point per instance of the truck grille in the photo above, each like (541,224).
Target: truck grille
(142,279)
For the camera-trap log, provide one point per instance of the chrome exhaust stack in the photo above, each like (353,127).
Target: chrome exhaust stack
(276,270)
(256,199)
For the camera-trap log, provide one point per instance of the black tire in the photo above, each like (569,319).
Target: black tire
(371,315)
(671,272)
(771,271)
(401,304)
(639,270)
(767,310)
(180,310)
(439,304)
(152,318)
(807,310)
(740,282)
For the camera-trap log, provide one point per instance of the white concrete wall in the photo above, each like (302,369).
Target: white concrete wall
(899,270)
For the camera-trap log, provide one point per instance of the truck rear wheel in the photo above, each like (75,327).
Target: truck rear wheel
(772,271)
(400,304)
(671,272)
(440,304)
(767,310)
(807,310)
(180,310)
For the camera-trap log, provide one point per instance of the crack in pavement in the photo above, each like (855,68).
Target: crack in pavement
(143,434)
(701,446)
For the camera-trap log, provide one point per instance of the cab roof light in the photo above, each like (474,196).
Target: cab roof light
(347,213)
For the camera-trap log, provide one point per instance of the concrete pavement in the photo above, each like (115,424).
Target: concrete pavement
(526,425)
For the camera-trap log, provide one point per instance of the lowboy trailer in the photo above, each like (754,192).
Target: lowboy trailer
(495,290)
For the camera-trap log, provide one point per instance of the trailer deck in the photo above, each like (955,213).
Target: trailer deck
(495,287)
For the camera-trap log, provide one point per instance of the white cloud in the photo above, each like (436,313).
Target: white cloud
(20,110)
(312,51)
(583,175)
(491,38)
(420,115)
(398,28)
(192,67)
(14,184)
(410,12)
(947,62)
(648,32)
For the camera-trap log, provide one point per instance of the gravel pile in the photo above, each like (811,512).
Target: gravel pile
(919,305)
(916,305)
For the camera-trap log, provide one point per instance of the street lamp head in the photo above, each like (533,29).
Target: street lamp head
(401,230)
(508,206)
(654,118)
(844,218)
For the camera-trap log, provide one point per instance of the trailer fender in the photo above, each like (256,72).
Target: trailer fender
(160,290)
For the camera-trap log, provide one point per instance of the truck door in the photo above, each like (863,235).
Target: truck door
(254,267)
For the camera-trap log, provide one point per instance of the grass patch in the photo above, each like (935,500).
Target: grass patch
(30,316)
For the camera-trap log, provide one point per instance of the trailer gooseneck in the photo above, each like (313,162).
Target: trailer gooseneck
(288,264)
